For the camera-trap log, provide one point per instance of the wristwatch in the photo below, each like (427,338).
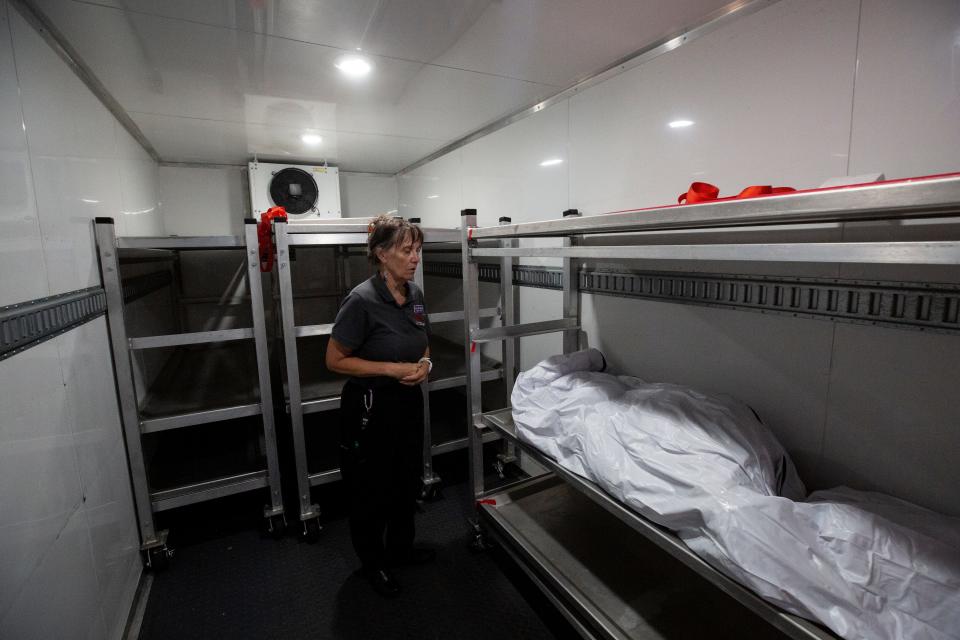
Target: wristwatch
(429,363)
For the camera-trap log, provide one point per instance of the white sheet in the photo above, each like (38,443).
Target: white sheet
(863,564)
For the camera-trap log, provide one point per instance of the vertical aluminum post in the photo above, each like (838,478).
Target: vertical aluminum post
(126,391)
(471,324)
(571,291)
(508,318)
(255,285)
(307,510)
(344,275)
(429,478)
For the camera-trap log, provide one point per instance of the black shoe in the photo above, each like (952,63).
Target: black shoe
(416,555)
(382,582)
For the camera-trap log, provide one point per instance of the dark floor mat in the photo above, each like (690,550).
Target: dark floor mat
(230,582)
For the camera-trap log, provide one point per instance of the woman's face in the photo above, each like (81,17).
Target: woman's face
(401,260)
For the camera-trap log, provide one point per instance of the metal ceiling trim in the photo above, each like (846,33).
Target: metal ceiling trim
(62,47)
(715,20)
(203,165)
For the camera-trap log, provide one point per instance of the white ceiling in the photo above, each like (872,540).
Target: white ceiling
(218,81)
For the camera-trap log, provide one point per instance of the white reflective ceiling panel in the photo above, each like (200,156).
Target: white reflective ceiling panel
(440,69)
(213,141)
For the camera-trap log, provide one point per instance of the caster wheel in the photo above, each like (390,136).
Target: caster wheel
(311,530)
(276,526)
(430,493)
(158,558)
(479,543)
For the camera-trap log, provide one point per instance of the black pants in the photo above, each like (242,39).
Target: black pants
(381,462)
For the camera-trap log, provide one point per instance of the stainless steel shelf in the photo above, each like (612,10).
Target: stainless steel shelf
(325,477)
(463,443)
(178,242)
(193,418)
(794,627)
(933,252)
(606,580)
(197,337)
(199,385)
(208,490)
(927,197)
(326,232)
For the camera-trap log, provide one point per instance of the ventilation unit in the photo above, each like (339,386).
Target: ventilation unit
(305,192)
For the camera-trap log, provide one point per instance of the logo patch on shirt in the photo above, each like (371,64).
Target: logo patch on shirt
(418,315)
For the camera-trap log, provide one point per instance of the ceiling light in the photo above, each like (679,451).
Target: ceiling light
(551,162)
(432,197)
(311,138)
(679,124)
(89,201)
(353,66)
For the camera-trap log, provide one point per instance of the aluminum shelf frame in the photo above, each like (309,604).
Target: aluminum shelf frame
(931,197)
(318,391)
(934,196)
(181,396)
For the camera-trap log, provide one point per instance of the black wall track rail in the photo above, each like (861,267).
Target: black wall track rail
(933,308)
(28,324)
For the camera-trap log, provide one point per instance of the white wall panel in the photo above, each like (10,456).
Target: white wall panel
(74,123)
(434,192)
(199,201)
(906,117)
(769,96)
(503,176)
(777,365)
(892,415)
(71,192)
(102,464)
(60,598)
(365,196)
(22,271)
(39,487)
(140,213)
(69,558)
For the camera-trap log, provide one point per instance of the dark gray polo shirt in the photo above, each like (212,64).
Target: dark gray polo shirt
(374,327)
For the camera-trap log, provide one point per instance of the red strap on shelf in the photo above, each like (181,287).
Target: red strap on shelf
(268,250)
(706,192)
(473,347)
(469,233)
(779,190)
(699,192)
(489,501)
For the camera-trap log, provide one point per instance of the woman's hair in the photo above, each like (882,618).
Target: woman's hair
(386,233)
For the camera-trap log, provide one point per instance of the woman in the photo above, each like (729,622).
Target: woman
(380,339)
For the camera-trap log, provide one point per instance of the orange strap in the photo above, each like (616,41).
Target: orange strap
(706,192)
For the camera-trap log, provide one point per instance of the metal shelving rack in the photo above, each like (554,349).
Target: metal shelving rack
(310,388)
(595,608)
(245,393)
